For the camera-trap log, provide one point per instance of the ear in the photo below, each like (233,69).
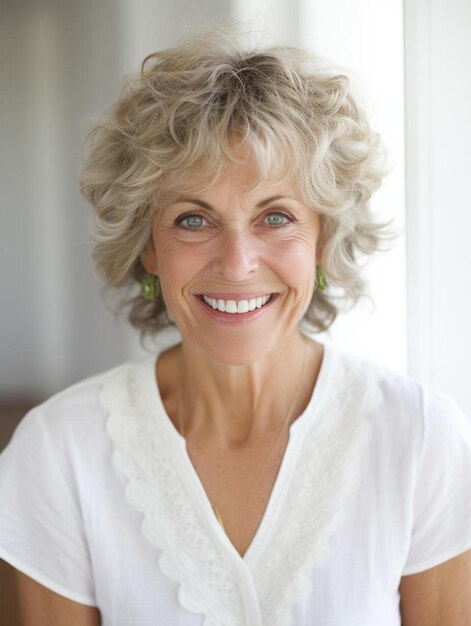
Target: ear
(148,257)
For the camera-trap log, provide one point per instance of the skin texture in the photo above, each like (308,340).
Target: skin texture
(440,596)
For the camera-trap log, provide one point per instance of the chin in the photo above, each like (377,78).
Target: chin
(237,353)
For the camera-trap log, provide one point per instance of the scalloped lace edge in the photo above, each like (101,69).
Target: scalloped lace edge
(154,487)
(189,555)
(333,469)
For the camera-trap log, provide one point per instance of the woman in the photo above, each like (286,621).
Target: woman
(248,475)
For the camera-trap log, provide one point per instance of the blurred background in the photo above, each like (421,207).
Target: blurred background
(62,61)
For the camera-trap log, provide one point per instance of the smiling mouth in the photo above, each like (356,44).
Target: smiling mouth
(236,306)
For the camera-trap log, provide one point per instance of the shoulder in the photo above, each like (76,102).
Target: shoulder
(75,415)
(357,375)
(403,404)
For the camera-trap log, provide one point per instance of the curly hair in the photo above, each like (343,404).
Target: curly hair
(180,115)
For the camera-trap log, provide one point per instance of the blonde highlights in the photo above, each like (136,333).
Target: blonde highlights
(187,115)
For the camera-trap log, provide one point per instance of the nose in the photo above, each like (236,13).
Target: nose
(237,256)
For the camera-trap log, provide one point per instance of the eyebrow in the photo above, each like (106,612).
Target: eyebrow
(207,206)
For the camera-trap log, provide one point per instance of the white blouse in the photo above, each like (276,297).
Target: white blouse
(99,502)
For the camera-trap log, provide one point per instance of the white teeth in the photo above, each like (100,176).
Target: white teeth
(241,306)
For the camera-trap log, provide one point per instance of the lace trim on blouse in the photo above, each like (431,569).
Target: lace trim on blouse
(191,554)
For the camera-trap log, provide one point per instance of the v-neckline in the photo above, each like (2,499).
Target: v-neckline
(194,485)
(319,470)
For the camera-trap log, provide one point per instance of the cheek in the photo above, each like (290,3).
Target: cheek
(299,258)
(179,263)
(298,271)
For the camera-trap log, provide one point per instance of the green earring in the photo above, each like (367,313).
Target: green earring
(150,287)
(321,279)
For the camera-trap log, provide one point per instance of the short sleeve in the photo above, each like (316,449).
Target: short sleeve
(442,496)
(41,530)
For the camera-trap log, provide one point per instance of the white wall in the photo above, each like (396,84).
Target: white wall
(438,113)
(58,65)
(271,21)
(16,257)
(149,25)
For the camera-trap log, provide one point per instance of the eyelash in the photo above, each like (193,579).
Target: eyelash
(289,219)
(179,221)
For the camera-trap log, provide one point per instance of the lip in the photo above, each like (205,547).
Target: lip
(235,296)
(235,319)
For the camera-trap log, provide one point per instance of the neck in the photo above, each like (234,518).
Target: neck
(233,405)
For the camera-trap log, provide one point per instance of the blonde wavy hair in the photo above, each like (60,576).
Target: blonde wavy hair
(175,122)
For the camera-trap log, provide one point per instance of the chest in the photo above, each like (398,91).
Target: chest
(238,485)
(320,536)
(349,587)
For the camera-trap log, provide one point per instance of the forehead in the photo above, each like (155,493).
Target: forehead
(241,180)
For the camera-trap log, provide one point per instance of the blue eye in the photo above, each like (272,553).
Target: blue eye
(191,222)
(278,219)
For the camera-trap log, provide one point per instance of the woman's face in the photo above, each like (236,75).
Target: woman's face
(236,265)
